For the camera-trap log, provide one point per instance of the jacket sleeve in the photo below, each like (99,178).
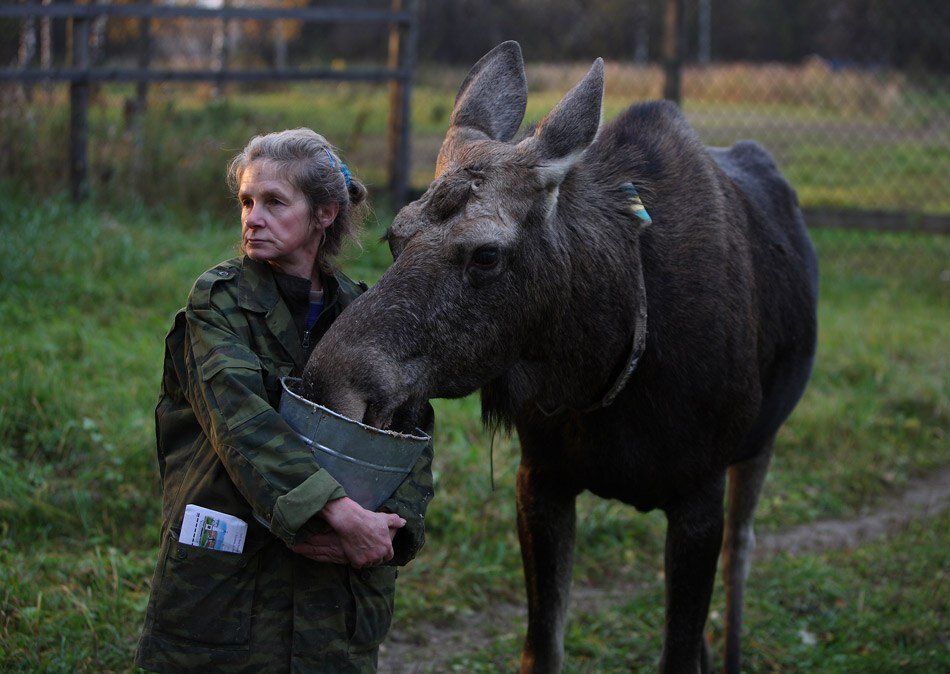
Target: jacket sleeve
(267,462)
(410,501)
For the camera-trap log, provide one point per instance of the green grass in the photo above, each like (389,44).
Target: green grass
(878,609)
(904,176)
(86,296)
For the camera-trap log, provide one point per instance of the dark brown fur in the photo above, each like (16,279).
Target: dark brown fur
(518,272)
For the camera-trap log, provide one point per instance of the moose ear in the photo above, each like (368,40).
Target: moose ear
(493,96)
(573,123)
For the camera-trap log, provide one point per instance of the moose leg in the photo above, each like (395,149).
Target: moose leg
(546,521)
(693,539)
(745,486)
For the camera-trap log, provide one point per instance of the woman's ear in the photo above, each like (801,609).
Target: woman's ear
(326,214)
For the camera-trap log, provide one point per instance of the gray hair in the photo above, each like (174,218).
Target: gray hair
(308,161)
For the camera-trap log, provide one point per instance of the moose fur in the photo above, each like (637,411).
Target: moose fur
(523,273)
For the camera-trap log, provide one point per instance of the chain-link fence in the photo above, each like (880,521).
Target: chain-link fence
(861,128)
(851,96)
(856,106)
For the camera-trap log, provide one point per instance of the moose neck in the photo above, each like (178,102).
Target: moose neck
(587,357)
(637,347)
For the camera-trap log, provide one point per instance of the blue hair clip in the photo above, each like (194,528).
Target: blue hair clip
(343,169)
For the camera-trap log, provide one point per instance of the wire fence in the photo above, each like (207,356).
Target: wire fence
(88,28)
(865,143)
(867,150)
(863,133)
(862,130)
(851,139)
(860,125)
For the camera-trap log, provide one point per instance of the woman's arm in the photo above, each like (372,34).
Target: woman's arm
(270,466)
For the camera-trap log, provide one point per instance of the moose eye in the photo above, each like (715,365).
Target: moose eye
(485,257)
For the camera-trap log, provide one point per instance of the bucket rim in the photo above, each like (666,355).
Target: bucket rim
(422,437)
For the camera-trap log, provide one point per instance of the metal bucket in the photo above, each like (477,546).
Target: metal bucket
(368,462)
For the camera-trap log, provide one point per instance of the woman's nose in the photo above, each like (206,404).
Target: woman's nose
(254,217)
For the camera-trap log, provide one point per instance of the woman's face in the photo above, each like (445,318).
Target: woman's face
(276,224)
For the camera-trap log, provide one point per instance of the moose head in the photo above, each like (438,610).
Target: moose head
(487,264)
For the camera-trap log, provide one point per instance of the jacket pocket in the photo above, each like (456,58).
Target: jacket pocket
(340,613)
(205,596)
(374,591)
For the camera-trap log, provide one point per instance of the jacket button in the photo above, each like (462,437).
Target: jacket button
(182,553)
(365,574)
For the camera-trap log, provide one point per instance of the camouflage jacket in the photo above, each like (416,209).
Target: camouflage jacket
(222,445)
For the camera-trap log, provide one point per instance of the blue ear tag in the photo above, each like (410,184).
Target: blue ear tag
(634,205)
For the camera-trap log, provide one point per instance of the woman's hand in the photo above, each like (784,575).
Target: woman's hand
(325,547)
(359,538)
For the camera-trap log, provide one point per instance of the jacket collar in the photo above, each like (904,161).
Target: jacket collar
(257,290)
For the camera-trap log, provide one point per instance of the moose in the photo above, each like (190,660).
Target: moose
(641,309)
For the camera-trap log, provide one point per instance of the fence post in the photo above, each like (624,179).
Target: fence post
(79,109)
(144,60)
(704,43)
(673,29)
(137,107)
(46,48)
(402,52)
(27,51)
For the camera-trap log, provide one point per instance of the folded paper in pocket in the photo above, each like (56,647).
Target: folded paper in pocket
(207,528)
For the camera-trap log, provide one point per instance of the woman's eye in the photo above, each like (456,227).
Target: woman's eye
(485,257)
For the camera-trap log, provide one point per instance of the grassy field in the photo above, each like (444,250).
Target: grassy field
(87,294)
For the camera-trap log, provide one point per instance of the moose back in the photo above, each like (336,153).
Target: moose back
(640,308)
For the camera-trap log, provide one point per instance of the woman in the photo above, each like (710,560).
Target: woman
(312,588)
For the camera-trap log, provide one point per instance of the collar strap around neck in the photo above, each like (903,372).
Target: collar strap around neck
(636,351)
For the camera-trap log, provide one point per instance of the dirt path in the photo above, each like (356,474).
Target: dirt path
(925,497)
(434,644)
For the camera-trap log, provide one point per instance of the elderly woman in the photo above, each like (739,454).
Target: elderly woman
(312,587)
